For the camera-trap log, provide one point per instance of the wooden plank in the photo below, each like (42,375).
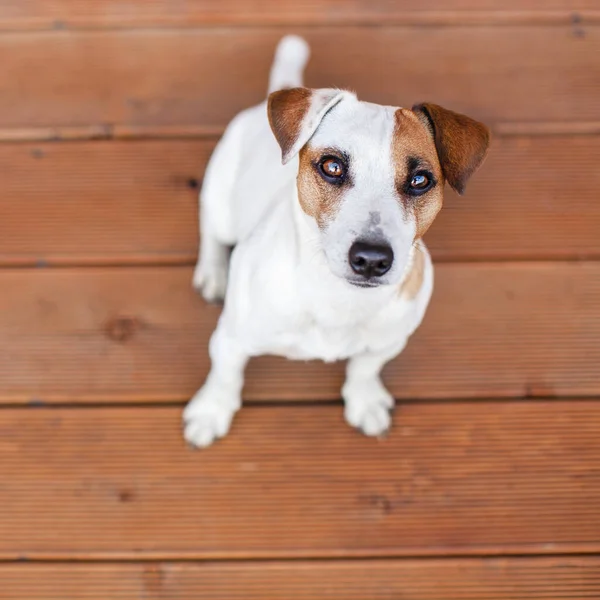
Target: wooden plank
(190,77)
(60,14)
(101,202)
(140,334)
(467,579)
(136,202)
(517,206)
(465,478)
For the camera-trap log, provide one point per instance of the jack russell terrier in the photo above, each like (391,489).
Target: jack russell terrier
(326,200)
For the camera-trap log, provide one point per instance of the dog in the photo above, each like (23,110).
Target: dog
(325,199)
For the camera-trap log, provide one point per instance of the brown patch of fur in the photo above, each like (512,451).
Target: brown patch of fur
(412,140)
(412,283)
(318,198)
(286,110)
(461,142)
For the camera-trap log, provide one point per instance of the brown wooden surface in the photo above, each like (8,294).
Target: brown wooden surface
(139,13)
(460,478)
(201,78)
(94,202)
(114,202)
(140,334)
(464,579)
(456,502)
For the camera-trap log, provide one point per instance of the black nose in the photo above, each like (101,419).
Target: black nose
(370,260)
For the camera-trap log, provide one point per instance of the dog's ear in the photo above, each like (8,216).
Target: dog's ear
(461,142)
(295,114)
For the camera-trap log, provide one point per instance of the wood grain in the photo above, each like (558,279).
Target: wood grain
(60,14)
(203,77)
(101,202)
(141,334)
(102,499)
(294,481)
(432,579)
(136,202)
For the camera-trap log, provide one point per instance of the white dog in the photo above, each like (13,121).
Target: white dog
(328,260)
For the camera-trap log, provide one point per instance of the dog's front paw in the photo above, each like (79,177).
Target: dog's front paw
(210,280)
(368,406)
(208,417)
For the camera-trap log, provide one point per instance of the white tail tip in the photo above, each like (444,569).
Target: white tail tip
(293,48)
(291,56)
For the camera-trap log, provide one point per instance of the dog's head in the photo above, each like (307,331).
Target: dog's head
(372,176)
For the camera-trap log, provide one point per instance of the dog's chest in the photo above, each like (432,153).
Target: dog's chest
(310,336)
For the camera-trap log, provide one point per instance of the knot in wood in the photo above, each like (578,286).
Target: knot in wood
(120,329)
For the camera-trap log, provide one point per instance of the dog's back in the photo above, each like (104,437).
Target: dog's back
(250,155)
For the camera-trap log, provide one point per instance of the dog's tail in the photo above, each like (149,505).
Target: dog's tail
(291,57)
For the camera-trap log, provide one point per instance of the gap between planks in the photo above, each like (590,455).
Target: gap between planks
(156,260)
(124,132)
(308,557)
(239,19)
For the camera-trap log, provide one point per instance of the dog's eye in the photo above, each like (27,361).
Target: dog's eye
(420,182)
(332,168)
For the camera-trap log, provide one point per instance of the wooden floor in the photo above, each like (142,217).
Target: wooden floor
(488,486)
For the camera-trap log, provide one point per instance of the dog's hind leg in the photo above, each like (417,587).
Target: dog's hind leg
(217,224)
(210,275)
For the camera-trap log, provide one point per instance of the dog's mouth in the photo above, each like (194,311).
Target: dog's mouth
(364,284)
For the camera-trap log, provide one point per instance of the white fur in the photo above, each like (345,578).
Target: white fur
(291,57)
(288,285)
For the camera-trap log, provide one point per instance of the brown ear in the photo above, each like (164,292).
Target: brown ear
(461,142)
(294,115)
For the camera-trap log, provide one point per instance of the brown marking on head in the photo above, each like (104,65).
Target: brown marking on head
(461,142)
(412,283)
(286,110)
(318,198)
(294,115)
(413,150)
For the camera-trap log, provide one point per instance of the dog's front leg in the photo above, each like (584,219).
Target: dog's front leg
(367,401)
(209,413)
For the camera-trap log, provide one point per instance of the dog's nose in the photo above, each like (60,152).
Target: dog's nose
(370,260)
